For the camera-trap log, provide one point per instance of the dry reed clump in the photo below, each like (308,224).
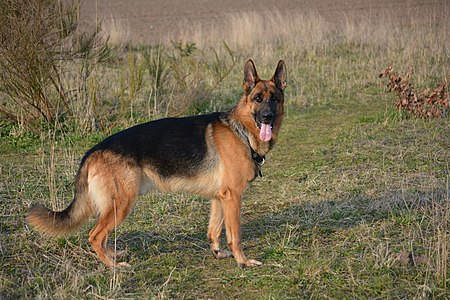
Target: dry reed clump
(424,104)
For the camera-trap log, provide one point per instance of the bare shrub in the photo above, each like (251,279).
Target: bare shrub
(425,104)
(37,39)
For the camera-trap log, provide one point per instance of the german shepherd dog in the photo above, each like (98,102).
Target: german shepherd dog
(214,155)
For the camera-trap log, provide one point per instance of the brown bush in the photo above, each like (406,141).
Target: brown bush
(425,104)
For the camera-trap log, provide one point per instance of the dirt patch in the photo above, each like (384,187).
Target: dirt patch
(151,21)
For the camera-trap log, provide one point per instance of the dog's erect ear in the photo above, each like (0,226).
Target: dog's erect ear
(250,76)
(279,78)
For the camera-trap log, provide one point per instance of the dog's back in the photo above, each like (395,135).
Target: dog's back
(172,146)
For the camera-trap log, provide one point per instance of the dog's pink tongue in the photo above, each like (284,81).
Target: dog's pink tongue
(265,134)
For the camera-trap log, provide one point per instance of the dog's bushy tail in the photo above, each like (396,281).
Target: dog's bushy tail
(60,223)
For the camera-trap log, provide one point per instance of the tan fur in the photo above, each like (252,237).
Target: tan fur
(57,223)
(108,184)
(238,171)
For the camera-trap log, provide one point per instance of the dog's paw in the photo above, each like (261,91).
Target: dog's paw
(221,254)
(250,263)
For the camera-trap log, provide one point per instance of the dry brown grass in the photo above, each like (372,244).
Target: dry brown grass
(264,30)
(117,32)
(293,30)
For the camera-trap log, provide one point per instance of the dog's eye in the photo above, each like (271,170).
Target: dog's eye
(257,98)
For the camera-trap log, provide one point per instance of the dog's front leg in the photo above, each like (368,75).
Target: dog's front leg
(231,206)
(215,229)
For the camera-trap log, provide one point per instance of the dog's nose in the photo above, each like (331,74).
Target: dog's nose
(267,115)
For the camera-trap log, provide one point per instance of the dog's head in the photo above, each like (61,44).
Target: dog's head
(265,98)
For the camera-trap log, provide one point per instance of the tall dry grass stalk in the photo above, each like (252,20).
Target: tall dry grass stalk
(441,230)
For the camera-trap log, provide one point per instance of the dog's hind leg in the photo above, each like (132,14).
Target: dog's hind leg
(215,229)
(113,189)
(98,236)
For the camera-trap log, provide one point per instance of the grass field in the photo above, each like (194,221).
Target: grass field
(354,202)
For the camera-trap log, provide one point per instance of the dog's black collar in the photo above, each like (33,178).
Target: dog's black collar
(258,159)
